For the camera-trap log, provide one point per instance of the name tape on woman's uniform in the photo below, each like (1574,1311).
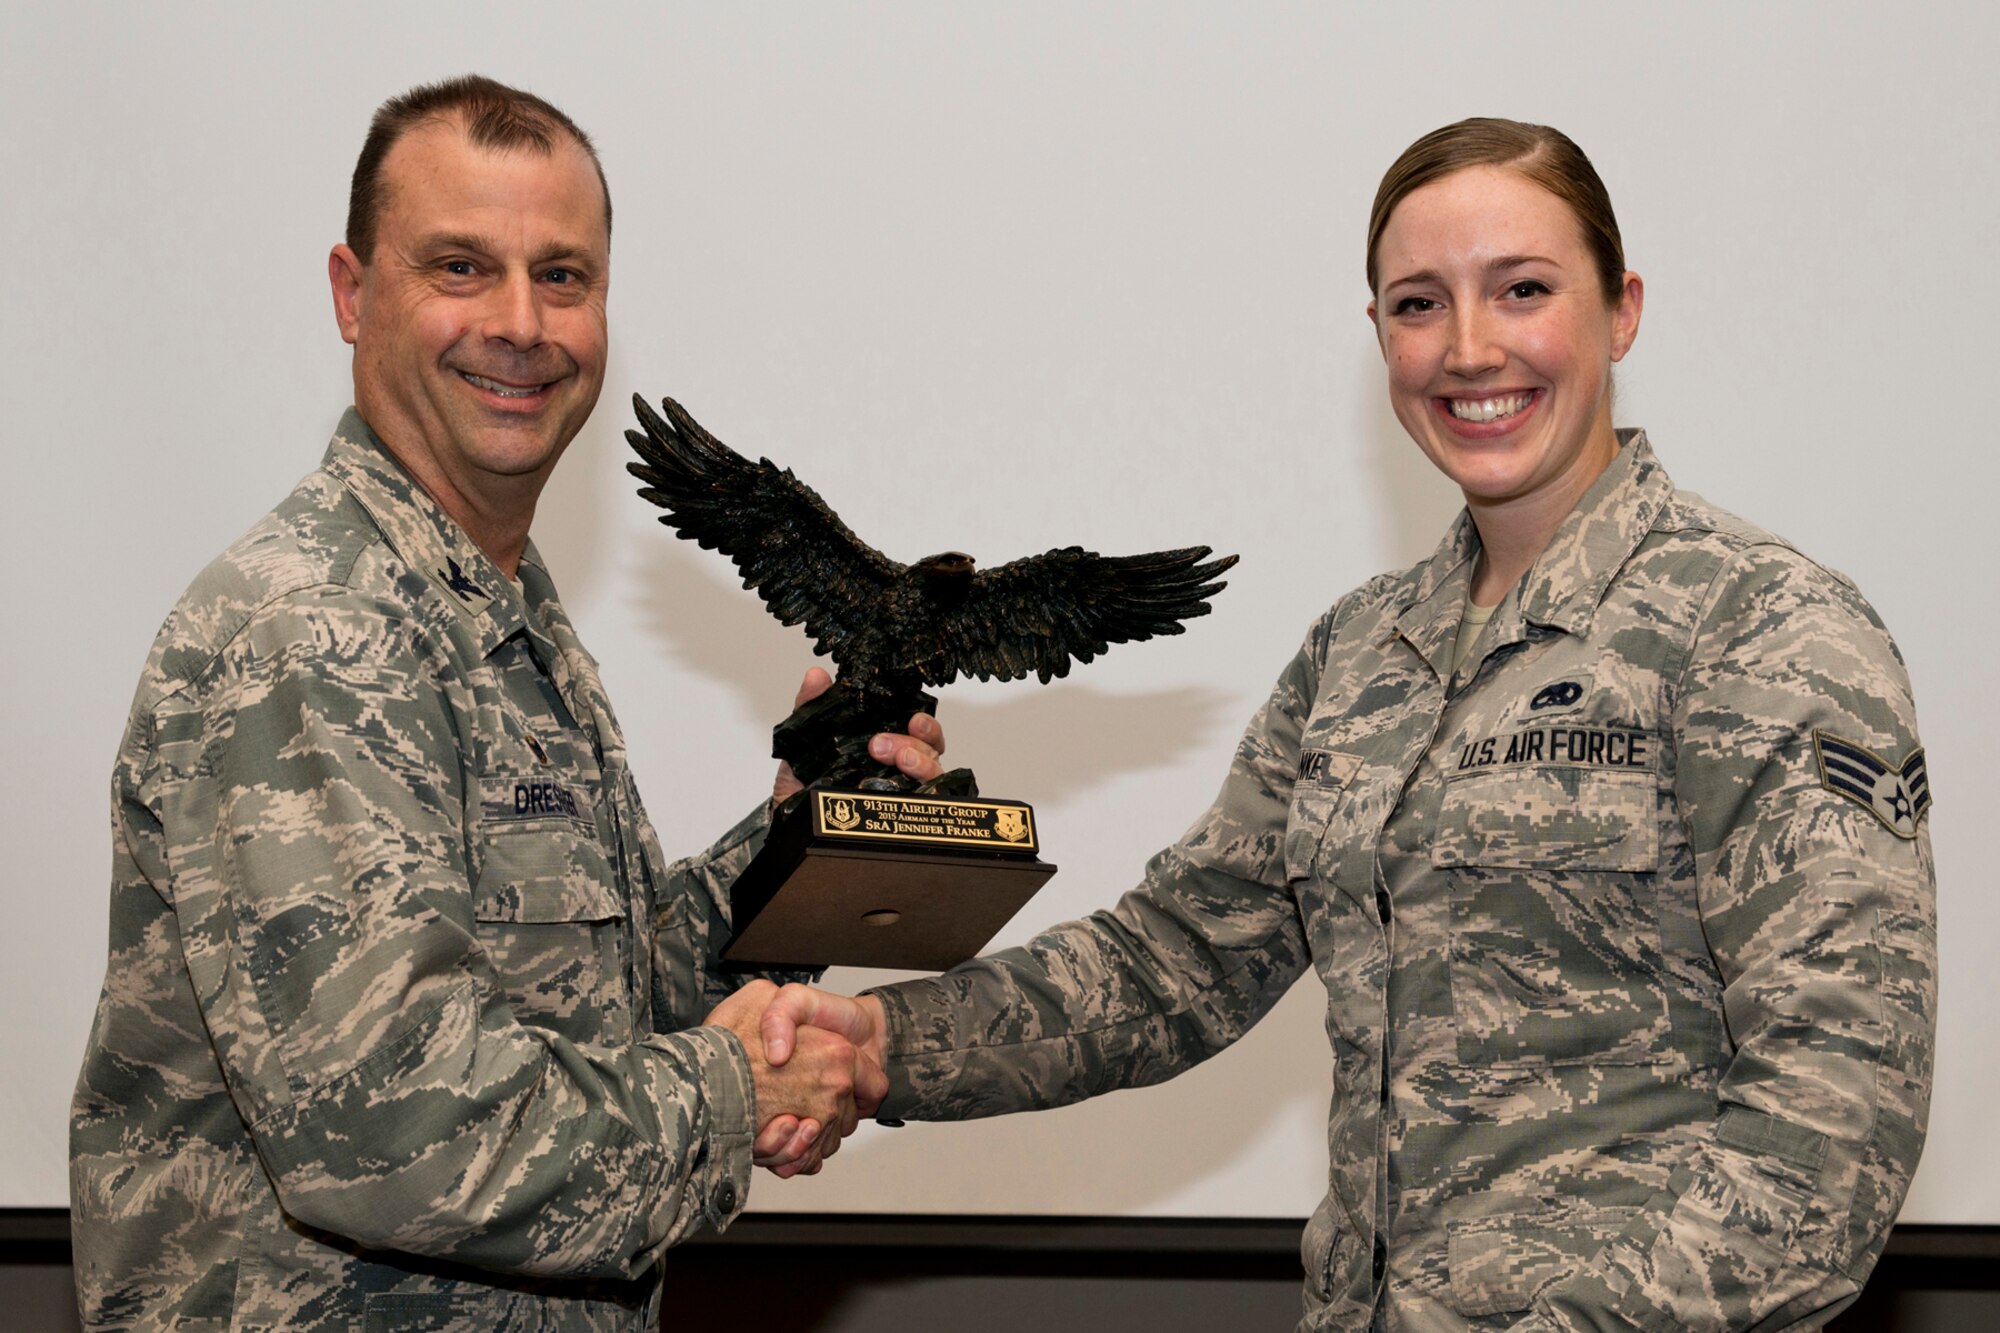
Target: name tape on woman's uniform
(1327,768)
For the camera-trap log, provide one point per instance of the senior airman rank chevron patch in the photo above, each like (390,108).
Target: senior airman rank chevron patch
(1898,795)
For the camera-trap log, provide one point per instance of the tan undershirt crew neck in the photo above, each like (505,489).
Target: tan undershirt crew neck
(1469,629)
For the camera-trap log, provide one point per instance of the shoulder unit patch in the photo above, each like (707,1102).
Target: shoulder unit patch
(1897,794)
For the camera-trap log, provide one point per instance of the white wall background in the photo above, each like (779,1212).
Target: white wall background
(997,278)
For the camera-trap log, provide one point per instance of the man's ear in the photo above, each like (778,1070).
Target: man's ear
(343,272)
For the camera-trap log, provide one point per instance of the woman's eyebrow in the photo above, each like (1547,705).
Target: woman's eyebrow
(1519,261)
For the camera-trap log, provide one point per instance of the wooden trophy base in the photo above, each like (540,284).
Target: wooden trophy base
(884,879)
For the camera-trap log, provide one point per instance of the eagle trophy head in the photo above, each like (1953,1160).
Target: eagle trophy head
(945,577)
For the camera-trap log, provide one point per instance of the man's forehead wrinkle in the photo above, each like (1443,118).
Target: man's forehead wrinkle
(491,227)
(445,159)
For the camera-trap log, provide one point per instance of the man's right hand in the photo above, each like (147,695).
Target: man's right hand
(811,1093)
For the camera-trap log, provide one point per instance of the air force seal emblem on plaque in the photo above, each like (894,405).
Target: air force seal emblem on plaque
(1898,795)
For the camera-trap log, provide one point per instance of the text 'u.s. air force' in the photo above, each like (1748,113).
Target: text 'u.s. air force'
(1587,747)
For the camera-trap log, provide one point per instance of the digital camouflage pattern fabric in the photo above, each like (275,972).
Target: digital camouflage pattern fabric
(1631,1007)
(398,1024)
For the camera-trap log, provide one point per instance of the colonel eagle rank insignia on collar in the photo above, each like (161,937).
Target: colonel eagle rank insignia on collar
(451,576)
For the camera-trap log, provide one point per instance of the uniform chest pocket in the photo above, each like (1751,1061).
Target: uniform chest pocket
(552,925)
(1319,807)
(1555,933)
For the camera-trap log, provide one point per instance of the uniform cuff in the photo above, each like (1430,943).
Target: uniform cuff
(916,1017)
(718,1179)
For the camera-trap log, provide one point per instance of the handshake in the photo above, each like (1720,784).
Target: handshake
(817,1060)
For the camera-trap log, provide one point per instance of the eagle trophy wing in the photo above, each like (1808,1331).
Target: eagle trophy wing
(1033,616)
(806,564)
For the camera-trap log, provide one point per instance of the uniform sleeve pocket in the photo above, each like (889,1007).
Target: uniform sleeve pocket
(1753,1200)
(1777,1176)
(1552,818)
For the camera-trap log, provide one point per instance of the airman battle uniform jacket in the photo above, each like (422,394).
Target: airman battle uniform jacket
(1627,933)
(397,1029)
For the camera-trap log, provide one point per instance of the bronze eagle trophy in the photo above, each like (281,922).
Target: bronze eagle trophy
(866,866)
(891,628)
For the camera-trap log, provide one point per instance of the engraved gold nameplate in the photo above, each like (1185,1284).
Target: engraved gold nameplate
(882,879)
(1006,826)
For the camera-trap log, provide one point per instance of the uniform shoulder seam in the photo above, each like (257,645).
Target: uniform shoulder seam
(1351,606)
(1368,596)
(278,546)
(1688,512)
(1736,554)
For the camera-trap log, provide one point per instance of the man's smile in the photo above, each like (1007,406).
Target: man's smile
(502,388)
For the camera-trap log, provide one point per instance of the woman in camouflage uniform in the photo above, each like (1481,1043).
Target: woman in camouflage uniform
(1603,827)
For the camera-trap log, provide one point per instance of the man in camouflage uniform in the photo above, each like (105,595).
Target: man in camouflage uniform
(403,1022)
(1627,930)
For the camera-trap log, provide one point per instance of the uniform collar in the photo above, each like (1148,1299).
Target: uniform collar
(418,529)
(1568,580)
(1434,599)
(568,663)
